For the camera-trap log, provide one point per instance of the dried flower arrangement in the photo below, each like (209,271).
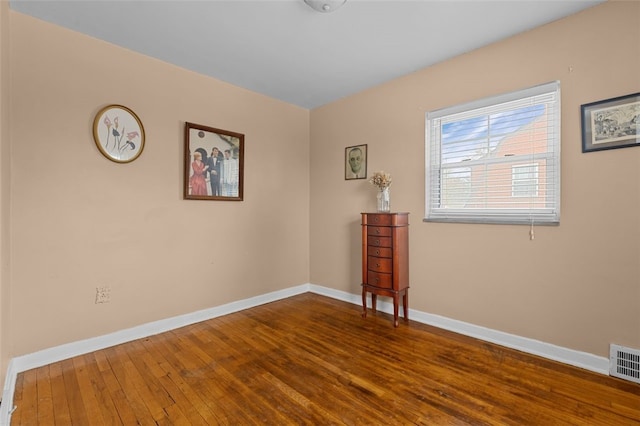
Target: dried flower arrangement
(381,179)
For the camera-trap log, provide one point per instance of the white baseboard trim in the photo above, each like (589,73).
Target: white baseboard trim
(580,359)
(7,407)
(47,356)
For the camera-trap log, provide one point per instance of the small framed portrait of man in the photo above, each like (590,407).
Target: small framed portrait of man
(355,162)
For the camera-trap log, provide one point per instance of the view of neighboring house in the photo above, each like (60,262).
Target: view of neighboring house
(498,148)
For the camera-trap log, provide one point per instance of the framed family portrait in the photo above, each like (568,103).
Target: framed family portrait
(213,163)
(612,123)
(355,162)
(118,133)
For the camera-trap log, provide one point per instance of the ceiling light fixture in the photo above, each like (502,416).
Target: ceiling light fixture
(325,6)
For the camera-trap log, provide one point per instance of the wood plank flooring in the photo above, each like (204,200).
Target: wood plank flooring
(312,360)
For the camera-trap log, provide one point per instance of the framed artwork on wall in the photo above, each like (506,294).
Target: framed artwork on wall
(355,162)
(118,133)
(611,123)
(213,163)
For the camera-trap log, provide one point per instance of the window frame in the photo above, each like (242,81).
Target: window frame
(546,94)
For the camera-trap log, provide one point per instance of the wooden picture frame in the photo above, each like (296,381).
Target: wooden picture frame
(355,162)
(611,123)
(118,133)
(208,178)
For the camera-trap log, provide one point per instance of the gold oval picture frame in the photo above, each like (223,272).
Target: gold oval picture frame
(118,133)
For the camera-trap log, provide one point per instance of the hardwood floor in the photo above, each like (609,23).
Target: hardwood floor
(312,360)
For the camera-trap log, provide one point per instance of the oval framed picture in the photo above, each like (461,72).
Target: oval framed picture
(118,133)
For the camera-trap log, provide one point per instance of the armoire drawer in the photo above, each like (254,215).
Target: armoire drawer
(380,231)
(379,279)
(380,251)
(380,264)
(380,241)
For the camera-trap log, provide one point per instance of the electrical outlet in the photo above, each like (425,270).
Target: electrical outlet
(103,295)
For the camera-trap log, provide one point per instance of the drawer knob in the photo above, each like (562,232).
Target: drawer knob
(377,251)
(378,231)
(377,265)
(378,242)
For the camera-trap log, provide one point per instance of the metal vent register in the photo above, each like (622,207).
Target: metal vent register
(624,363)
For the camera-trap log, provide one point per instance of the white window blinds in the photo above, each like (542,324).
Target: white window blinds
(496,160)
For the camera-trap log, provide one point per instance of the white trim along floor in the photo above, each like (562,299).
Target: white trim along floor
(47,356)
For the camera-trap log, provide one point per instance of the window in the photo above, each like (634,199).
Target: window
(496,160)
(524,181)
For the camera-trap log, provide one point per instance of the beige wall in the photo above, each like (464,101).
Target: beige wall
(81,221)
(5,165)
(576,285)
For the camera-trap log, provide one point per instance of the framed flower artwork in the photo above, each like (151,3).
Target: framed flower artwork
(118,133)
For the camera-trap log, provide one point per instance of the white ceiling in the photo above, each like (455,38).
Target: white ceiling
(286,50)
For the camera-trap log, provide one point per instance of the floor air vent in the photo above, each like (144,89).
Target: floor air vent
(624,363)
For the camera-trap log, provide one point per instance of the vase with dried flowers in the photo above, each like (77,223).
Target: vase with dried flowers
(382,181)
